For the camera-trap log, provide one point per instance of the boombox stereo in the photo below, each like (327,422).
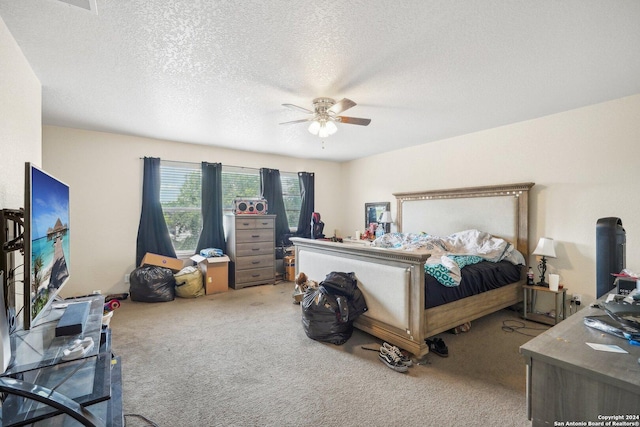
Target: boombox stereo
(249,206)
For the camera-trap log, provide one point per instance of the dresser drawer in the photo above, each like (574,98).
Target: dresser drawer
(251,249)
(247,262)
(255,235)
(254,275)
(254,222)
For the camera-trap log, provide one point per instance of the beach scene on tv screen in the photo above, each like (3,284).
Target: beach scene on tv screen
(49,238)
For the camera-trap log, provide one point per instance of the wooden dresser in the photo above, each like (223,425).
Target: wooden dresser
(569,381)
(251,249)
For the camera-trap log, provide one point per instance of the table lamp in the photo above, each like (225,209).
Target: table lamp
(385,219)
(545,249)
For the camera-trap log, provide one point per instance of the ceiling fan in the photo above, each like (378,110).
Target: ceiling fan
(325,115)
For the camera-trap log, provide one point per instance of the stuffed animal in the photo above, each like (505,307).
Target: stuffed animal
(302,284)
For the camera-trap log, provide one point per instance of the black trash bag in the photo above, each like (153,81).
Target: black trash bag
(150,283)
(326,317)
(328,311)
(346,284)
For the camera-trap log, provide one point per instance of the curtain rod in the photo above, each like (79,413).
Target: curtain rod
(199,163)
(231,166)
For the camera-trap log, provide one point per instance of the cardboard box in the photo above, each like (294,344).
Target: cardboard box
(162,261)
(290,268)
(215,273)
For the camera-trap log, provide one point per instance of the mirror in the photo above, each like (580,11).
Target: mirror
(373,212)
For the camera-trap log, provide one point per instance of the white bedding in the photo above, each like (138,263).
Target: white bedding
(449,254)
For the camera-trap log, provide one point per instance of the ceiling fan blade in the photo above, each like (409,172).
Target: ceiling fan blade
(353,120)
(295,107)
(342,105)
(297,121)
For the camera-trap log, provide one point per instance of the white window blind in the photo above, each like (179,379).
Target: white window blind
(180,197)
(181,193)
(238,182)
(291,197)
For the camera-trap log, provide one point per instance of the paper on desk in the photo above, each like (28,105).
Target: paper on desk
(606,347)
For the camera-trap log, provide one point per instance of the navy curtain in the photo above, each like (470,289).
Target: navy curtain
(212,235)
(153,235)
(307,194)
(272,192)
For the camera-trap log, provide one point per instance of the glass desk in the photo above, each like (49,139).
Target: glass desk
(39,384)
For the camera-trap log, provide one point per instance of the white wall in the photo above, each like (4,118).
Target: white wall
(104,172)
(584,162)
(20,131)
(20,120)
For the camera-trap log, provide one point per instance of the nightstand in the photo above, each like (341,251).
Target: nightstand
(560,301)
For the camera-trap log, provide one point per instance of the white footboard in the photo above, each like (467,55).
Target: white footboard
(392,283)
(385,287)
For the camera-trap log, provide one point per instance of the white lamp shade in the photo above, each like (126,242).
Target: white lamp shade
(331,127)
(323,132)
(314,127)
(385,218)
(545,248)
(323,127)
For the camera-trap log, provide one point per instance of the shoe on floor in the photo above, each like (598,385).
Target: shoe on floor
(465,327)
(391,360)
(405,360)
(438,347)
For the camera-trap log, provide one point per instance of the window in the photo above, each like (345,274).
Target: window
(181,192)
(292,198)
(180,195)
(237,183)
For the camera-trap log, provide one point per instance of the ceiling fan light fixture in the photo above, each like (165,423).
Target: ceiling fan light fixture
(323,132)
(331,127)
(314,127)
(325,115)
(323,127)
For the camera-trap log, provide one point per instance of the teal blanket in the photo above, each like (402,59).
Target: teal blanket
(442,273)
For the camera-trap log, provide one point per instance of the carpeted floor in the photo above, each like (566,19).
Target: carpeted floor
(241,358)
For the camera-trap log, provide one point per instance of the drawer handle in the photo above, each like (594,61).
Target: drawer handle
(255,275)
(255,235)
(255,249)
(245,223)
(255,262)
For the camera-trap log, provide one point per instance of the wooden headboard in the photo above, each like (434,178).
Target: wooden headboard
(501,210)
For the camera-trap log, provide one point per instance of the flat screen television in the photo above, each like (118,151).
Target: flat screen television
(46,242)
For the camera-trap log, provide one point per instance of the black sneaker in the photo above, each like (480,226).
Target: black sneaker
(438,347)
(391,360)
(406,361)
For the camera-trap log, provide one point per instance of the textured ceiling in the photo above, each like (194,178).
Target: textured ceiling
(217,72)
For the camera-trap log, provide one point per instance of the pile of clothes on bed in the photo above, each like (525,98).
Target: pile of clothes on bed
(451,253)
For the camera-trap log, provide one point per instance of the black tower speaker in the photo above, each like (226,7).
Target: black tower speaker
(610,253)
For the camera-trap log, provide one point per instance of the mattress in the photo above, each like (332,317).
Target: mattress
(476,278)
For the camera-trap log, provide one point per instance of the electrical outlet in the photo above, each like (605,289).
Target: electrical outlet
(577,298)
(126,278)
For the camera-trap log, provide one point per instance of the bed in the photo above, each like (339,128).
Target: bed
(394,283)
